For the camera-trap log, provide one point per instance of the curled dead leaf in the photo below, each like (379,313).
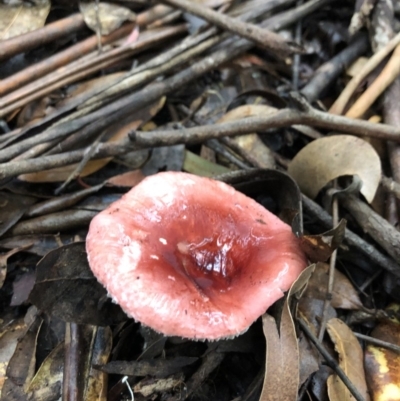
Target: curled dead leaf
(282,373)
(325,159)
(319,248)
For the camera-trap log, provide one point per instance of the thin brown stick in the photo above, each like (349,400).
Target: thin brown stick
(390,72)
(282,118)
(73,122)
(42,36)
(375,256)
(332,266)
(375,341)
(330,361)
(74,52)
(263,37)
(387,236)
(330,71)
(83,67)
(373,62)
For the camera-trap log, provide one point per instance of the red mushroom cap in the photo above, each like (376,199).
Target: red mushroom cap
(192,257)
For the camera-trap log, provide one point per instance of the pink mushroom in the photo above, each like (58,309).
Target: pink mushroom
(192,257)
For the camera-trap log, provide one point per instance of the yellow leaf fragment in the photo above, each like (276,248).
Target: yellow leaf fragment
(382,365)
(350,360)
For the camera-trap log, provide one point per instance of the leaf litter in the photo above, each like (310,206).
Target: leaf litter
(75,105)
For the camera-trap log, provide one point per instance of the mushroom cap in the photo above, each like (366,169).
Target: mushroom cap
(192,257)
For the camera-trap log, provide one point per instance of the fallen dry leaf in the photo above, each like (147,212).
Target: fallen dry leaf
(3,261)
(114,133)
(319,248)
(47,382)
(282,375)
(109,17)
(22,18)
(66,288)
(21,367)
(12,208)
(344,295)
(350,360)
(252,143)
(325,159)
(311,310)
(9,338)
(128,179)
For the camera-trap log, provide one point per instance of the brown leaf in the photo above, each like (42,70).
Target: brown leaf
(3,261)
(115,133)
(21,367)
(10,335)
(129,179)
(344,296)
(281,380)
(65,287)
(319,247)
(12,208)
(311,310)
(382,366)
(331,157)
(350,360)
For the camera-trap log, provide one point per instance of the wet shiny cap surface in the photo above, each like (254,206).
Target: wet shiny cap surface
(192,257)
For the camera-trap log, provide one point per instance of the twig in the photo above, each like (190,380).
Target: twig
(375,341)
(85,159)
(352,239)
(39,37)
(330,361)
(12,169)
(83,67)
(332,266)
(296,57)
(372,223)
(373,62)
(391,186)
(390,72)
(263,37)
(330,71)
(282,118)
(76,51)
(151,93)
